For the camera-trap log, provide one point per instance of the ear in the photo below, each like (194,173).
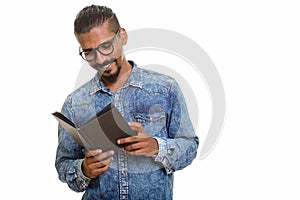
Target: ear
(123,35)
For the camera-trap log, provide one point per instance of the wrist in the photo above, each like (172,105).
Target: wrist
(82,172)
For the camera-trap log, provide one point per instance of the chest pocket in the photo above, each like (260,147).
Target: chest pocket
(153,123)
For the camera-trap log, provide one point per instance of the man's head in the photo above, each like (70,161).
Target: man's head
(101,40)
(93,16)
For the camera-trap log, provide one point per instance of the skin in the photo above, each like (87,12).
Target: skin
(97,162)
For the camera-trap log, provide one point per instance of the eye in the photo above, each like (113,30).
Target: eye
(105,45)
(87,52)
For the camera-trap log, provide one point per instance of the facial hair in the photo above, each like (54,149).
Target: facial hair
(112,78)
(107,62)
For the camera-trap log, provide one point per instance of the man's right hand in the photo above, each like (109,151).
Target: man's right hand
(96,162)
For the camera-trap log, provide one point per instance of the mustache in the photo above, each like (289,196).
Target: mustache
(107,62)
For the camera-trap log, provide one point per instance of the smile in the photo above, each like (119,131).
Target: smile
(105,64)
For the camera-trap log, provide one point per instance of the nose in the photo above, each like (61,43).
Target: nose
(100,58)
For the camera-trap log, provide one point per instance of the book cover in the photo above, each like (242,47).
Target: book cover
(100,132)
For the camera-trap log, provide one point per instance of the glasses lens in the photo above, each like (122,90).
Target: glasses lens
(106,48)
(87,55)
(90,55)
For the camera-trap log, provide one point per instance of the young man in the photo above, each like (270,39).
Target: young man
(153,105)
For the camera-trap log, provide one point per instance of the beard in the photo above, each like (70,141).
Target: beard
(112,78)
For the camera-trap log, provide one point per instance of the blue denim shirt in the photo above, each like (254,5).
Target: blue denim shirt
(156,101)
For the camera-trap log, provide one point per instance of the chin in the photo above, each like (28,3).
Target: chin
(111,75)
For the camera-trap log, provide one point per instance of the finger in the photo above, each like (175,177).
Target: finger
(98,157)
(101,170)
(142,151)
(100,164)
(128,140)
(135,124)
(135,129)
(104,155)
(97,171)
(138,152)
(103,162)
(93,153)
(135,146)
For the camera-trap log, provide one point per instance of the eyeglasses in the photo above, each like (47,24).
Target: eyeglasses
(105,48)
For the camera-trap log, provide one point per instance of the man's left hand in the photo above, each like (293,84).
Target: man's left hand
(143,144)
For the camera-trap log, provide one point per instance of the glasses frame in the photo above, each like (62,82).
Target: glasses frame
(111,42)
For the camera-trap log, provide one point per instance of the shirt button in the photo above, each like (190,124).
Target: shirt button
(123,197)
(122,172)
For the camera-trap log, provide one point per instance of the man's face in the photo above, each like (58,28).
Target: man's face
(107,65)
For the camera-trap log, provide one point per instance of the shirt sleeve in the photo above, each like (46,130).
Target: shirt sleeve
(179,148)
(69,158)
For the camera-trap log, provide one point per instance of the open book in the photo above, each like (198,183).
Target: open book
(100,132)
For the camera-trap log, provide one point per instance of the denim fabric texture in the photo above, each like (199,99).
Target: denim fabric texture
(156,101)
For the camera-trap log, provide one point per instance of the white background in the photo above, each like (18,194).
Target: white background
(254,45)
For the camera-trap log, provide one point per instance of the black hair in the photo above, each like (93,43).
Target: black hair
(92,16)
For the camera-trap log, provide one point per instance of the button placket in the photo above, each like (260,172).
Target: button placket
(123,175)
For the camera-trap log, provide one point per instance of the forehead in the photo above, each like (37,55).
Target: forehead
(95,36)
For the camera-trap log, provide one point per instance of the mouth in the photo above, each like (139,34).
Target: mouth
(105,65)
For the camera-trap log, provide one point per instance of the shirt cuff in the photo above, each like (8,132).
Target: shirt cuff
(161,157)
(84,180)
(162,149)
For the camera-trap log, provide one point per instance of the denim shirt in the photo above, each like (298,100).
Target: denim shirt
(156,101)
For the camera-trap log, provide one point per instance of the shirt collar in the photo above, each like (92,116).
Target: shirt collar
(135,80)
